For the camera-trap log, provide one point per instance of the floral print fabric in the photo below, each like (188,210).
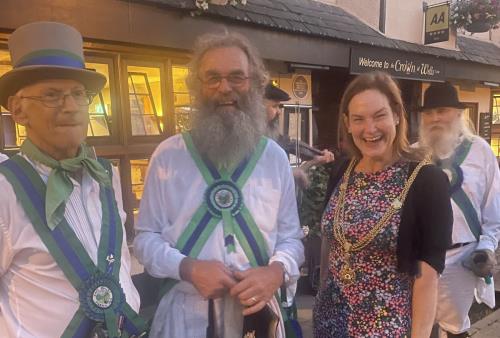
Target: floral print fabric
(378,302)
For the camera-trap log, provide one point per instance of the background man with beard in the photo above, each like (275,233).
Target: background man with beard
(218,217)
(472,169)
(273,98)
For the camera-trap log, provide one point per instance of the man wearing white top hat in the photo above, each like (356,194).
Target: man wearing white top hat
(64,261)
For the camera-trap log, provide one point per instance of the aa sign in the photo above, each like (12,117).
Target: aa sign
(437,23)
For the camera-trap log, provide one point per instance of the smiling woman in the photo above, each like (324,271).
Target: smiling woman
(382,205)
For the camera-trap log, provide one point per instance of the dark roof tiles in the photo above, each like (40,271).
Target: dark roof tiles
(319,19)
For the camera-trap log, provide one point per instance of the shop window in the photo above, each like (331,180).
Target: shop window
(182,99)
(470,114)
(13,133)
(146,111)
(495,146)
(496,108)
(100,110)
(138,170)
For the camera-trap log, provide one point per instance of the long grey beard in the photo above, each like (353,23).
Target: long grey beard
(442,145)
(227,137)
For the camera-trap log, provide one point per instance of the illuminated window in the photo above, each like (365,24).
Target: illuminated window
(495,145)
(100,111)
(138,170)
(496,108)
(182,99)
(13,133)
(146,111)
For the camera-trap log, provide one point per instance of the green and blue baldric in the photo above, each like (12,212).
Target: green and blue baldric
(102,300)
(223,200)
(451,166)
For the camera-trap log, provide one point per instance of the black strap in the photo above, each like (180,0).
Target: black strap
(211,319)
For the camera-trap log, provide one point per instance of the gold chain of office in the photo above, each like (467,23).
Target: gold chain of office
(347,273)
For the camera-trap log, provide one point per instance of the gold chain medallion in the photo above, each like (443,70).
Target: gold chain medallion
(347,272)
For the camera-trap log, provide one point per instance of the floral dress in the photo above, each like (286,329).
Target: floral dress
(378,302)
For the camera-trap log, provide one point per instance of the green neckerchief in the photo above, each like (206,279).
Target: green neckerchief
(59,185)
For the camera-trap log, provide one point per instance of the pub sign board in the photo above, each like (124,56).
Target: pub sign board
(437,23)
(398,65)
(485,126)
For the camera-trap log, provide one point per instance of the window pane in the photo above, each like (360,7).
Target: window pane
(495,146)
(13,133)
(179,76)
(138,173)
(496,109)
(100,110)
(144,86)
(182,99)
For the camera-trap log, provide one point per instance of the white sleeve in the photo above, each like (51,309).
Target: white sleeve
(490,205)
(117,188)
(289,249)
(3,157)
(7,199)
(159,258)
(5,248)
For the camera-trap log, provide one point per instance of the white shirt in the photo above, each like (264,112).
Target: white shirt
(36,299)
(3,157)
(482,186)
(173,191)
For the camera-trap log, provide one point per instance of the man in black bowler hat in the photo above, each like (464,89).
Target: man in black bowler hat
(474,176)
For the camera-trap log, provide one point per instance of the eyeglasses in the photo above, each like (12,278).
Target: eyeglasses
(214,81)
(57,99)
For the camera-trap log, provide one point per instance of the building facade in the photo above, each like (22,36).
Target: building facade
(312,49)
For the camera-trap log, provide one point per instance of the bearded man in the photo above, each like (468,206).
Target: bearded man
(475,189)
(273,98)
(218,218)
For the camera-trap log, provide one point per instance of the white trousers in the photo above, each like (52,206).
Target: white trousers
(183,313)
(456,291)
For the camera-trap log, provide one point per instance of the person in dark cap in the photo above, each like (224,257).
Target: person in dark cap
(64,260)
(273,101)
(474,176)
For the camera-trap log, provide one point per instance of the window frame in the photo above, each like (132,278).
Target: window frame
(177,63)
(493,94)
(126,113)
(114,137)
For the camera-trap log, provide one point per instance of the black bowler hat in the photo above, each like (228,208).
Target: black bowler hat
(274,93)
(441,94)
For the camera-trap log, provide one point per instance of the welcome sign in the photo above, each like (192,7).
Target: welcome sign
(399,65)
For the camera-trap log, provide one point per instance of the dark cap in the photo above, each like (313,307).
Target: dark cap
(274,93)
(439,95)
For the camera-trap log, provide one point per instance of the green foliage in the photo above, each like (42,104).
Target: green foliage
(313,198)
(464,12)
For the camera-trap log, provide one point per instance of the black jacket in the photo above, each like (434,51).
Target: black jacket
(426,219)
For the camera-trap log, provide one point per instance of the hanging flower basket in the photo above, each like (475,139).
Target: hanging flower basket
(477,26)
(475,16)
(203,4)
